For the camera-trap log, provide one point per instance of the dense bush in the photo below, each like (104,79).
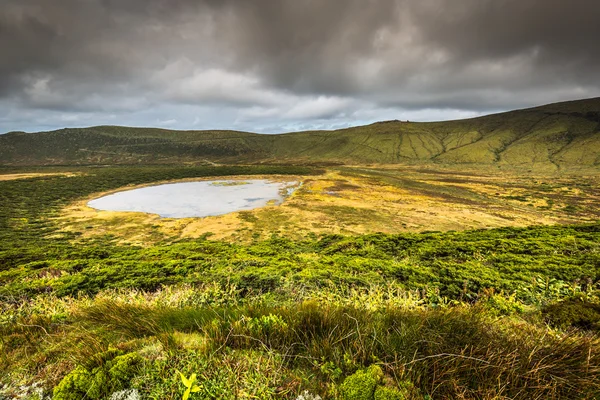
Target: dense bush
(573,313)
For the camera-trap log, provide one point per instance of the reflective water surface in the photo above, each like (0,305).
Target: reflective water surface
(197,199)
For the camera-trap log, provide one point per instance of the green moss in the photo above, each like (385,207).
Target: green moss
(361,385)
(122,369)
(74,386)
(100,381)
(367,384)
(388,393)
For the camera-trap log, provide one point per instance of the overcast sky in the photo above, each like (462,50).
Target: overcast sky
(283,65)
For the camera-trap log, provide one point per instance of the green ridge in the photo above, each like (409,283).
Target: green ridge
(555,136)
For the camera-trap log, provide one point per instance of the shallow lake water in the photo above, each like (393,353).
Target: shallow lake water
(197,199)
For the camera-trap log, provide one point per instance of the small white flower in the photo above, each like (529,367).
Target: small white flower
(306,395)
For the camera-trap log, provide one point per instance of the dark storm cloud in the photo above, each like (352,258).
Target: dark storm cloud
(562,30)
(292,60)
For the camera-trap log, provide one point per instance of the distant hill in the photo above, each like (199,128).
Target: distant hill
(557,135)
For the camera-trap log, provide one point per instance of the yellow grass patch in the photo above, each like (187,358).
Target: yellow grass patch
(356,201)
(10,177)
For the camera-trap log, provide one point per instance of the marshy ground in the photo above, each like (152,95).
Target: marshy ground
(358,200)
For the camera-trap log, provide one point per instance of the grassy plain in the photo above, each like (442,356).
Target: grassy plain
(359,200)
(304,299)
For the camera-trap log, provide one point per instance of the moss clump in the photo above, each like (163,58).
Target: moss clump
(362,384)
(367,384)
(575,312)
(100,381)
(74,386)
(388,393)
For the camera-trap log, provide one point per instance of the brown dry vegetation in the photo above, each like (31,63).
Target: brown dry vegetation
(10,177)
(357,200)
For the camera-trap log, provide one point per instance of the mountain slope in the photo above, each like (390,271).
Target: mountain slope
(561,134)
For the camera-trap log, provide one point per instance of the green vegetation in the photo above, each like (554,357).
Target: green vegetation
(458,264)
(573,312)
(112,375)
(189,385)
(336,345)
(553,137)
(482,314)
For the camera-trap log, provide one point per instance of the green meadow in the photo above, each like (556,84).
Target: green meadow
(455,260)
(509,312)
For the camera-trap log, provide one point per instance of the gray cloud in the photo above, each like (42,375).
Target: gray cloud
(286,64)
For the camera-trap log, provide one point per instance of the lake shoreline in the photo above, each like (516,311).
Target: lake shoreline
(197,198)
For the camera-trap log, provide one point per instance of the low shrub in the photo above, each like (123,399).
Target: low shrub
(573,313)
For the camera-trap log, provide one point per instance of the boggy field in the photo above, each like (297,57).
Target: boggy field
(359,200)
(369,282)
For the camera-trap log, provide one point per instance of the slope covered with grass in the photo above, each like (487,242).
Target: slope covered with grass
(484,314)
(555,136)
